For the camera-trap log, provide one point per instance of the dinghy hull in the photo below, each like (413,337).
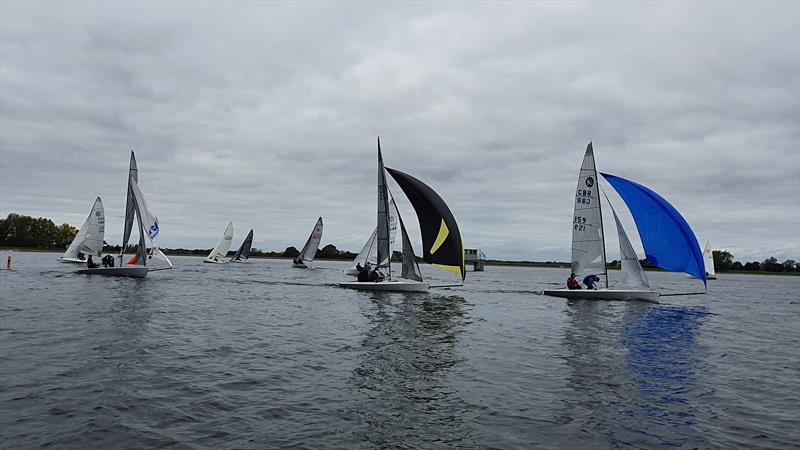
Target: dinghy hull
(388,286)
(240,261)
(604,294)
(300,266)
(214,261)
(135,272)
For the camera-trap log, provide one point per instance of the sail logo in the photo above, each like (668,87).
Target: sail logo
(589,181)
(153,230)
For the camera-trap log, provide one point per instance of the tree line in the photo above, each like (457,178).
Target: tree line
(35,232)
(41,233)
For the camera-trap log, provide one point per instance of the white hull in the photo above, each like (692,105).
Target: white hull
(604,294)
(240,261)
(388,286)
(300,266)
(130,271)
(215,261)
(708,277)
(73,260)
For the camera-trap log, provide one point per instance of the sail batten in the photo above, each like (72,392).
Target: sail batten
(668,240)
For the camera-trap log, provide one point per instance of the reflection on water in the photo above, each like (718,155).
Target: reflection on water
(632,374)
(402,375)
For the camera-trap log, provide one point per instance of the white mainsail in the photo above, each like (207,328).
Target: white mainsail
(309,250)
(148,220)
(708,259)
(588,246)
(89,239)
(130,213)
(221,249)
(384,250)
(368,253)
(632,272)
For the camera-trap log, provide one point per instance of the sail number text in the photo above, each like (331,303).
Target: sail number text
(583,196)
(578,223)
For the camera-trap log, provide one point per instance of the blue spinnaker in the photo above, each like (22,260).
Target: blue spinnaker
(668,240)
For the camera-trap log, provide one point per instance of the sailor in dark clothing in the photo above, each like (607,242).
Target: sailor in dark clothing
(363,275)
(108,261)
(358,267)
(590,280)
(91,264)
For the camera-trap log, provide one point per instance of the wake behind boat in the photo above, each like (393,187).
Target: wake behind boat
(135,207)
(89,240)
(666,237)
(441,239)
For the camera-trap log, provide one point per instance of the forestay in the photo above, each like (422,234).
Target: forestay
(89,239)
(668,240)
(588,246)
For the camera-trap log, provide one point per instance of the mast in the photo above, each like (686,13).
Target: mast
(384,249)
(600,209)
(130,207)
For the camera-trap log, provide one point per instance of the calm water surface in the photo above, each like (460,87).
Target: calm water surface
(265,356)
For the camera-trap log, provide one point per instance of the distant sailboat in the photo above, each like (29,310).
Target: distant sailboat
(708,260)
(369,253)
(89,240)
(668,240)
(148,227)
(441,238)
(309,250)
(219,253)
(243,253)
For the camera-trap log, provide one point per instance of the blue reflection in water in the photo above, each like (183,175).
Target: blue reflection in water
(663,360)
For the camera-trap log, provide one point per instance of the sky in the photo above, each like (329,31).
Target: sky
(267,114)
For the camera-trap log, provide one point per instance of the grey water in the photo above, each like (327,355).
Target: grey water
(261,355)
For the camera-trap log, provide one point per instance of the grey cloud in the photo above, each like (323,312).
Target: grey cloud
(267,114)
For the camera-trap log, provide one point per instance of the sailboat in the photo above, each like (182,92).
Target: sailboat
(668,240)
(441,239)
(368,253)
(309,250)
(148,227)
(89,240)
(219,253)
(243,253)
(708,260)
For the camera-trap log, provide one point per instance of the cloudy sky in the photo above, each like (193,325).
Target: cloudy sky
(267,114)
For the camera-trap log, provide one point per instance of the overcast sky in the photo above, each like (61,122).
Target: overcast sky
(267,114)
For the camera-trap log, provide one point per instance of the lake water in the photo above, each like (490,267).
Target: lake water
(265,356)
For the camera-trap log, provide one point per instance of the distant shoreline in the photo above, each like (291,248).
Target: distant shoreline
(540,265)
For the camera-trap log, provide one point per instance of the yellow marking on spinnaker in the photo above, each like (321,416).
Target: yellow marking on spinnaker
(443,232)
(455,269)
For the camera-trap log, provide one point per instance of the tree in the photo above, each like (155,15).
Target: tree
(788,265)
(771,264)
(737,266)
(723,260)
(291,252)
(752,266)
(65,233)
(329,252)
